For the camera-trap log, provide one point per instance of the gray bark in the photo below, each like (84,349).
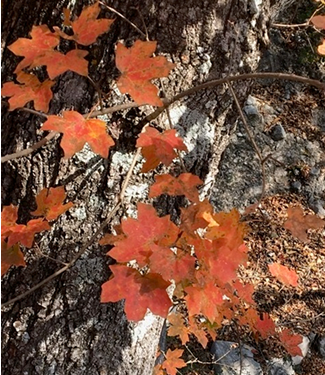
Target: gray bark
(63,328)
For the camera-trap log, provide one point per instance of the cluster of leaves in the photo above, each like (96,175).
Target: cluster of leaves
(159,263)
(49,207)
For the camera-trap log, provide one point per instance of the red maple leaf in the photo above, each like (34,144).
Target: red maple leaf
(141,292)
(173,361)
(31,89)
(298,224)
(291,341)
(185,184)
(159,147)
(284,274)
(77,131)
(50,203)
(245,292)
(42,41)
(144,235)
(265,326)
(198,331)
(10,256)
(177,327)
(86,28)
(138,68)
(172,266)
(58,63)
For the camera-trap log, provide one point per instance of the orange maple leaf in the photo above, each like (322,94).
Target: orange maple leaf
(144,235)
(19,232)
(58,63)
(86,28)
(31,89)
(321,48)
(173,361)
(204,299)
(138,68)
(141,292)
(10,256)
(291,341)
(77,131)
(177,327)
(229,230)
(49,203)
(159,147)
(298,224)
(284,274)
(184,184)
(42,41)
(318,21)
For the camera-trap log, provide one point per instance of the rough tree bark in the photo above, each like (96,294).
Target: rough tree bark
(62,328)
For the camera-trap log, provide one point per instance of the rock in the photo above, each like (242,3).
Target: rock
(230,359)
(321,346)
(278,133)
(278,366)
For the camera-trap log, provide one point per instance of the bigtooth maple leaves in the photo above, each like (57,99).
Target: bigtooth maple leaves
(138,68)
(77,131)
(49,206)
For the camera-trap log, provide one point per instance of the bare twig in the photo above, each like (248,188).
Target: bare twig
(124,18)
(251,138)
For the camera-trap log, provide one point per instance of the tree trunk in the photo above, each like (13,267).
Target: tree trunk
(62,328)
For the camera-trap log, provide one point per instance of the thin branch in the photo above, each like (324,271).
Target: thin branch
(29,150)
(124,18)
(193,90)
(284,26)
(251,138)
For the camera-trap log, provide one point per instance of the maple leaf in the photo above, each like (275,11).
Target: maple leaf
(171,266)
(284,274)
(25,233)
(204,299)
(177,327)
(42,41)
(141,292)
(86,28)
(159,147)
(10,256)
(77,131)
(229,230)
(298,224)
(321,48)
(291,341)
(265,326)
(31,89)
(197,331)
(138,68)
(184,184)
(318,21)
(49,203)
(58,63)
(9,216)
(173,361)
(197,216)
(144,235)
(245,292)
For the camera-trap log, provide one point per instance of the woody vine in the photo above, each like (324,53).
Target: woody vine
(193,261)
